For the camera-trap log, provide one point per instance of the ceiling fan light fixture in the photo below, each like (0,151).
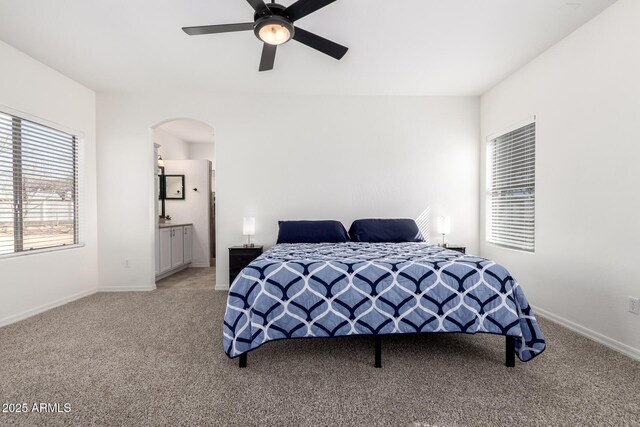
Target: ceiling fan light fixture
(274,30)
(274,34)
(272,24)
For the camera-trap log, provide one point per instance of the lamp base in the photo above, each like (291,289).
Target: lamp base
(249,245)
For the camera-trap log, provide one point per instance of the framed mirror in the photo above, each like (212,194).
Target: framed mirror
(174,187)
(161,211)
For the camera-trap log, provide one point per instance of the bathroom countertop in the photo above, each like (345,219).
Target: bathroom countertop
(165,225)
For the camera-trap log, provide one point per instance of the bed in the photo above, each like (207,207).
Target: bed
(308,290)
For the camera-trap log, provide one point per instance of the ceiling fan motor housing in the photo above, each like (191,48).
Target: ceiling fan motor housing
(271,9)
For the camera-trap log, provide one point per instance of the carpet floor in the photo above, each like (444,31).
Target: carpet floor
(156,359)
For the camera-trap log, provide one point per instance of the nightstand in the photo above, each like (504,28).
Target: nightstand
(458,248)
(240,257)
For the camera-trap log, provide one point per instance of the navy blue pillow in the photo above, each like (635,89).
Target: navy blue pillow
(312,232)
(385,230)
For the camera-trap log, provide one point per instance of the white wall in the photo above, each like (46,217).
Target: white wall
(195,207)
(199,151)
(171,147)
(324,157)
(585,92)
(33,283)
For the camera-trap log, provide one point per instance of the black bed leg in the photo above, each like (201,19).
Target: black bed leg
(378,363)
(243,360)
(510,352)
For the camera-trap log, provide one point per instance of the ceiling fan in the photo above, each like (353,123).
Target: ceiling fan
(273,24)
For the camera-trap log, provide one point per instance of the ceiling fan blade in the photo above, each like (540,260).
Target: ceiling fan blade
(214,29)
(321,44)
(258,5)
(302,8)
(268,57)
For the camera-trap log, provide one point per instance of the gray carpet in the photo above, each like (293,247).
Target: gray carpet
(155,358)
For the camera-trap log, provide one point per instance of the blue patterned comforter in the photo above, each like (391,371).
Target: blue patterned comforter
(338,289)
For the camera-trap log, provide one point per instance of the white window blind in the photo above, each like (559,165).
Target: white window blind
(512,187)
(38,186)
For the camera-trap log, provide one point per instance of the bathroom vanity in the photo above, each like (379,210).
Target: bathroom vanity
(175,251)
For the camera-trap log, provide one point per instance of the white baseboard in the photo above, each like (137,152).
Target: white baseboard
(45,307)
(625,349)
(222,287)
(126,288)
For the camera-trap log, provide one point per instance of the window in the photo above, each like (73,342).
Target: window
(38,186)
(511,183)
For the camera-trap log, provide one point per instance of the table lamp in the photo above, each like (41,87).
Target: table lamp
(249,229)
(444,227)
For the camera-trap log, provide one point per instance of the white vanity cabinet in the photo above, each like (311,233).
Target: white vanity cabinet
(165,249)
(176,248)
(188,243)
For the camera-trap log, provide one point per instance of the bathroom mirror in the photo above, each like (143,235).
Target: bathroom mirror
(160,190)
(174,187)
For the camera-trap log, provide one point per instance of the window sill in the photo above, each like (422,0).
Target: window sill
(510,249)
(41,251)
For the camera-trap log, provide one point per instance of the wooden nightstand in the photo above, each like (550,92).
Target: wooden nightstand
(240,257)
(458,248)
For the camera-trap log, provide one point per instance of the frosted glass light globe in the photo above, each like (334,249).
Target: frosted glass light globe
(274,34)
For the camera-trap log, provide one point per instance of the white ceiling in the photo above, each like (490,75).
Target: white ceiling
(407,47)
(189,130)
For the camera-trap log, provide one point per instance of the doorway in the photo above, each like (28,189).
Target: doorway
(185,190)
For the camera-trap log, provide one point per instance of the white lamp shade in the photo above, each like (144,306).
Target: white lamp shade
(443,225)
(249,226)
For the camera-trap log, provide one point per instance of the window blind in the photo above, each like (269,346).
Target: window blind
(512,188)
(38,186)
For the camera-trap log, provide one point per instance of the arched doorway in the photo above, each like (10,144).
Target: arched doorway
(184,151)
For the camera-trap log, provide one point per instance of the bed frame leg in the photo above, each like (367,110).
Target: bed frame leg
(510,352)
(243,360)
(378,363)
